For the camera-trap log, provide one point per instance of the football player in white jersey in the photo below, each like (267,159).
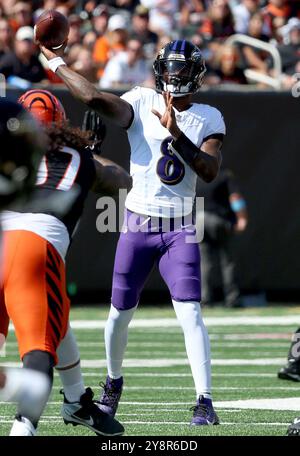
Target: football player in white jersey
(173,140)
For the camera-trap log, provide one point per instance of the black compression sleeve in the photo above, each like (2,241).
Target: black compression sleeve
(186,149)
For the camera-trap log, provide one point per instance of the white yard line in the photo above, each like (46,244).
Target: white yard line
(12,346)
(173,375)
(165,423)
(209,321)
(278,404)
(186,423)
(142,363)
(215,388)
(290,403)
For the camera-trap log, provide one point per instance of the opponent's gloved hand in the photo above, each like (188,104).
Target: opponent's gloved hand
(93,123)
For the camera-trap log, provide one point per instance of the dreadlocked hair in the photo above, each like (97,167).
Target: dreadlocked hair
(63,135)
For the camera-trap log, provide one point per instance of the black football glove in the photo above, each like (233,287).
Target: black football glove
(93,123)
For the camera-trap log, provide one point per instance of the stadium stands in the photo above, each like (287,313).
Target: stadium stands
(245,42)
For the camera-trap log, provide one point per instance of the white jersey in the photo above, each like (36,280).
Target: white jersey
(163,184)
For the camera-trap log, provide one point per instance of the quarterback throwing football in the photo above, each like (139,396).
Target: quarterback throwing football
(173,140)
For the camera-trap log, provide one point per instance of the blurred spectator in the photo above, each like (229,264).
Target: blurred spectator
(127,69)
(295,8)
(228,71)
(7,6)
(207,23)
(63,9)
(162,15)
(6,37)
(50,4)
(242,13)
(128,5)
(85,65)
(73,54)
(225,214)
(89,40)
(256,58)
(90,6)
(45,5)
(75,30)
(140,30)
(100,19)
(21,15)
(199,41)
(111,43)
(162,41)
(276,14)
(219,24)
(290,51)
(190,12)
(23,61)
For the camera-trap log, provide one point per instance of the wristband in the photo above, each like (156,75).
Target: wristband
(55,63)
(186,149)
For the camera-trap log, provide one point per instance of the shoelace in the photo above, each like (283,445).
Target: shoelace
(199,410)
(110,392)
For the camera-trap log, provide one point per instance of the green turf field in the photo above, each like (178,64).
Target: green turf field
(248,346)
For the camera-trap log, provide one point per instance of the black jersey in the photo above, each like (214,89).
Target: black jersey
(60,171)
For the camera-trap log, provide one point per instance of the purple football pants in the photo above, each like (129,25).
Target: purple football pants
(138,251)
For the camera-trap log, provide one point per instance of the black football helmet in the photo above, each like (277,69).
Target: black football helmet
(22,146)
(179,68)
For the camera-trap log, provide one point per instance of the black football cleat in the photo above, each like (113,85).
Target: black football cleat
(290,372)
(87,413)
(294,428)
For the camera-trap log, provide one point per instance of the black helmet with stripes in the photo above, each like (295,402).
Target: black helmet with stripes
(22,147)
(179,68)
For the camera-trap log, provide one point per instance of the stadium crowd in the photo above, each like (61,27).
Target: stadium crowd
(113,43)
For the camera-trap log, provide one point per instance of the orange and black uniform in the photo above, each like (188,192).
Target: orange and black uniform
(34,249)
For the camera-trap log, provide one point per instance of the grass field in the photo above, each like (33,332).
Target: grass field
(248,346)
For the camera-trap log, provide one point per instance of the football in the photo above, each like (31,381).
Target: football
(51,29)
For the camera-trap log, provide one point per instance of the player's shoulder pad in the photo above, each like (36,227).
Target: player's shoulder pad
(144,96)
(208,109)
(213,118)
(134,89)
